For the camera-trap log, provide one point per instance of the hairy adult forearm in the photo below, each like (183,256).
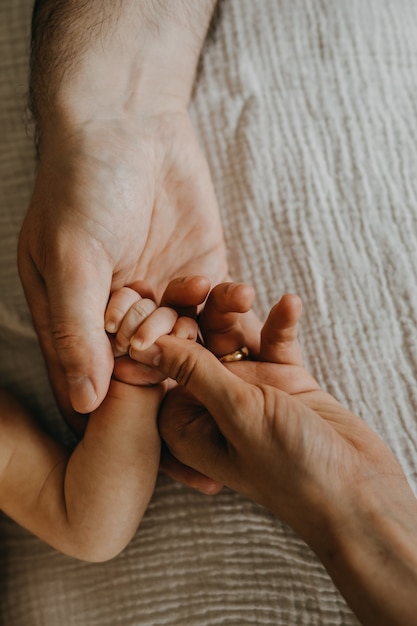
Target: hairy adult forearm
(113,51)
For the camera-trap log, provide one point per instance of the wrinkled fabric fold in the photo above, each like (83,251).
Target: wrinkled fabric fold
(307,113)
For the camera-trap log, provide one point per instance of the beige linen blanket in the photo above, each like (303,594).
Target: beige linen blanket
(307,111)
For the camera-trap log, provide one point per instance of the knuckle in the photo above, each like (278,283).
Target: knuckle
(129,292)
(184,368)
(176,426)
(142,308)
(65,340)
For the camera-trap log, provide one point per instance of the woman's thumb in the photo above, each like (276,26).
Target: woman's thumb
(199,371)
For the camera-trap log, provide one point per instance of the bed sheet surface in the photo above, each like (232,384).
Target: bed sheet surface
(307,113)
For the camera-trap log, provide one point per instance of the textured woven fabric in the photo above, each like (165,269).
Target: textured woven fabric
(307,112)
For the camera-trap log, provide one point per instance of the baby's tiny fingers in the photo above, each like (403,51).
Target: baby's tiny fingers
(133,319)
(184,328)
(119,304)
(160,322)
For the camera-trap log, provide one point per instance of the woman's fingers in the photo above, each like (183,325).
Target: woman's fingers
(186,475)
(220,320)
(279,335)
(225,396)
(194,440)
(136,373)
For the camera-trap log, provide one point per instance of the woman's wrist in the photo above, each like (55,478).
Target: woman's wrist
(367,543)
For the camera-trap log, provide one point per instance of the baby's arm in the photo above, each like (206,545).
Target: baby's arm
(87,504)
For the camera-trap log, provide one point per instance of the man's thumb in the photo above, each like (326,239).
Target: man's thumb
(69,318)
(83,350)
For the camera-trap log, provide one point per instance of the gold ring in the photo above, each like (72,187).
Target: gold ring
(238,355)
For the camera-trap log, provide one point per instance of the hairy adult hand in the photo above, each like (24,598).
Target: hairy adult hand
(114,201)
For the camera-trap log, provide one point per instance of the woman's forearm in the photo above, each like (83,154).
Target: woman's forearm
(103,58)
(370,550)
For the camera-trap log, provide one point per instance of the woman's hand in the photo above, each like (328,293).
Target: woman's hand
(267,430)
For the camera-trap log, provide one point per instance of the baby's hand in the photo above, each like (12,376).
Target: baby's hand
(134,322)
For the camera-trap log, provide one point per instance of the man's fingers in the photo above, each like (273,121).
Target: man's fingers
(77,314)
(185,294)
(68,313)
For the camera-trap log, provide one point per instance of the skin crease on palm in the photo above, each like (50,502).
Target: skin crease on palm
(177,232)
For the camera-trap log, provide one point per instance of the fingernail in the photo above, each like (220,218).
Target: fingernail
(182,333)
(120,349)
(110,326)
(136,344)
(144,356)
(81,393)
(157,358)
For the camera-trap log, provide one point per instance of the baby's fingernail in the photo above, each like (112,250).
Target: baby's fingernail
(110,326)
(157,358)
(120,348)
(136,343)
(181,333)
